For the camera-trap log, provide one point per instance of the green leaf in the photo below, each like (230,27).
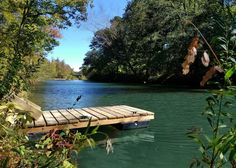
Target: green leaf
(233,31)
(222,126)
(48,153)
(221,156)
(230,72)
(62,134)
(90,142)
(201,149)
(94,131)
(210,121)
(208,139)
(47,141)
(222,39)
(232,155)
(228,104)
(4,162)
(208,113)
(224,47)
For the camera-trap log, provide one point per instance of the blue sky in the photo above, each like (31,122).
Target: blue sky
(75,41)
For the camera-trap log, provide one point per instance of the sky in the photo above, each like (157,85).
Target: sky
(75,41)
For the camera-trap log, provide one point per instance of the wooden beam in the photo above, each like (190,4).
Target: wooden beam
(32,108)
(93,123)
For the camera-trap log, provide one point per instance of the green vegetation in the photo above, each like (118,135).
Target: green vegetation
(54,149)
(54,69)
(217,143)
(28,31)
(149,42)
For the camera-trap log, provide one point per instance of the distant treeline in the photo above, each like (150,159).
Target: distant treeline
(53,69)
(150,41)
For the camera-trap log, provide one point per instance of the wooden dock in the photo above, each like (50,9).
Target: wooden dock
(79,118)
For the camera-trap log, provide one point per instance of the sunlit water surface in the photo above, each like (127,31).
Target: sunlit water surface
(163,144)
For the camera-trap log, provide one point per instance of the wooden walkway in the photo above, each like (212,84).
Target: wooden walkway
(79,118)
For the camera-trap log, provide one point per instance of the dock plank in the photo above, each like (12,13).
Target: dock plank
(109,115)
(40,122)
(134,109)
(124,111)
(126,114)
(94,113)
(78,115)
(85,113)
(118,113)
(49,118)
(59,117)
(71,118)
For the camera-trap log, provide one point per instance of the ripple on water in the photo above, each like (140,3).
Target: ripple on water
(163,144)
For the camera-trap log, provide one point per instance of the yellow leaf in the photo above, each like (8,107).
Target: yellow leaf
(67,164)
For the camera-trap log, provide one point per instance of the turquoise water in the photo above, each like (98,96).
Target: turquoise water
(162,145)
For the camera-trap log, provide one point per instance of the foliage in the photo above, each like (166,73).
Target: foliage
(217,146)
(147,44)
(28,30)
(54,69)
(55,149)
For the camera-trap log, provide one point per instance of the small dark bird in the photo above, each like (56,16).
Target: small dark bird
(78,98)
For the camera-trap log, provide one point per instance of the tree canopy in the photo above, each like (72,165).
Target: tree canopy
(150,40)
(28,31)
(54,69)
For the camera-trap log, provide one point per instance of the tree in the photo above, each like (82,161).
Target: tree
(149,40)
(28,30)
(52,70)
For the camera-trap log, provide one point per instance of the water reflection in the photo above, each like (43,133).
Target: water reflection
(163,144)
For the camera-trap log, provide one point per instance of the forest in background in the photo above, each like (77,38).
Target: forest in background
(149,42)
(53,69)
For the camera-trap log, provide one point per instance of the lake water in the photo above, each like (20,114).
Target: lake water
(162,145)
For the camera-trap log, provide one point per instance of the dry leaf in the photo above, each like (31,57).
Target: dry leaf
(209,74)
(186,69)
(190,57)
(219,69)
(205,59)
(54,32)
